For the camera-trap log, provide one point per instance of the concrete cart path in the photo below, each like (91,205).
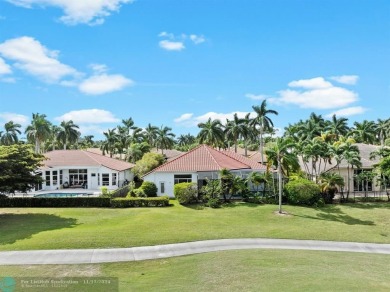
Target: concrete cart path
(92,256)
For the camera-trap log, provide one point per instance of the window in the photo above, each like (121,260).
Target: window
(113,180)
(55,177)
(182,178)
(47,175)
(105,179)
(162,187)
(362,180)
(78,176)
(98,179)
(60,177)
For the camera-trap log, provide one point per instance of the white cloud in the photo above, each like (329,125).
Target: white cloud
(183,117)
(90,12)
(101,84)
(166,35)
(349,111)
(314,83)
(197,39)
(188,120)
(32,57)
(88,116)
(4,67)
(256,97)
(346,79)
(171,46)
(91,130)
(99,68)
(315,93)
(16,118)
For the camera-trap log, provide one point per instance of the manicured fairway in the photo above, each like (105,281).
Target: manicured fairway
(246,270)
(61,228)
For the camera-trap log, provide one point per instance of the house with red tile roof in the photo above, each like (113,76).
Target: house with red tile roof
(197,165)
(83,169)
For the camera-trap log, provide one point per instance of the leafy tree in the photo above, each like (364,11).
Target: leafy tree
(109,145)
(136,151)
(364,132)
(68,133)
(329,183)
(338,127)
(234,129)
(18,164)
(263,122)
(10,136)
(165,138)
(148,162)
(383,130)
(211,133)
(151,134)
(226,178)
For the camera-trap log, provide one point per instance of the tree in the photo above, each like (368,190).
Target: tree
(383,130)
(226,178)
(108,145)
(211,133)
(338,127)
(364,132)
(38,131)
(148,162)
(281,154)
(18,164)
(52,140)
(151,134)
(164,138)
(263,122)
(329,183)
(10,136)
(136,151)
(235,129)
(68,133)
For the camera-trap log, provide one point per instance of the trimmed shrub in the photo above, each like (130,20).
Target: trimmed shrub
(139,193)
(54,202)
(185,193)
(301,191)
(149,189)
(140,202)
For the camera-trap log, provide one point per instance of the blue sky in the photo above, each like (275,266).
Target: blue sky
(178,62)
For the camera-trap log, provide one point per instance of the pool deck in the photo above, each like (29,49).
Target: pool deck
(92,192)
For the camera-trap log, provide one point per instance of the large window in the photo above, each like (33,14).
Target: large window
(182,178)
(113,180)
(60,177)
(55,177)
(362,180)
(47,177)
(105,179)
(78,177)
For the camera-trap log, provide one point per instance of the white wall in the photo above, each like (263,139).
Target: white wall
(168,179)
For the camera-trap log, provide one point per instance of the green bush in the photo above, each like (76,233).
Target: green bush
(301,191)
(140,202)
(185,193)
(214,203)
(55,202)
(211,193)
(149,189)
(139,193)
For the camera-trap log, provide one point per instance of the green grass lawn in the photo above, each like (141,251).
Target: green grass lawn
(58,228)
(245,270)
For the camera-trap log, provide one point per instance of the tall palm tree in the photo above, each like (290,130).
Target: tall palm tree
(263,122)
(151,134)
(109,144)
(68,133)
(165,138)
(351,155)
(248,134)
(10,135)
(38,131)
(53,137)
(364,132)
(211,133)
(383,130)
(338,127)
(282,156)
(129,124)
(234,129)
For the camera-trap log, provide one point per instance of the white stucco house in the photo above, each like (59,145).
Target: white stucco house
(198,164)
(82,169)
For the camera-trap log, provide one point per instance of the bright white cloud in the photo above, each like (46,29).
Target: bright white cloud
(183,117)
(101,84)
(188,120)
(99,68)
(315,93)
(197,39)
(346,79)
(4,67)
(91,130)
(255,97)
(165,34)
(16,118)
(88,116)
(92,12)
(349,111)
(32,57)
(171,46)
(313,83)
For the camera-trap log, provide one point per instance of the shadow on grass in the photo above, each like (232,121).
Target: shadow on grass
(368,205)
(240,204)
(333,213)
(15,227)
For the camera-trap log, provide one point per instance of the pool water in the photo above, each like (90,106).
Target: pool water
(61,195)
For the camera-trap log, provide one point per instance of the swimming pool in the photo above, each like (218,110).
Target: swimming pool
(62,195)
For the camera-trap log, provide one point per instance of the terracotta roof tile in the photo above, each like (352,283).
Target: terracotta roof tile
(83,158)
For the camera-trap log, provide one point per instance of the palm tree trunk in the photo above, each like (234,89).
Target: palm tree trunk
(280,184)
(261,146)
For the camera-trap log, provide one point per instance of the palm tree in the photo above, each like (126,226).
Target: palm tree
(11,133)
(164,138)
(234,129)
(329,182)
(263,122)
(87,142)
(53,137)
(38,130)
(68,133)
(129,124)
(383,130)
(136,151)
(364,132)
(211,133)
(281,156)
(351,155)
(151,134)
(338,127)
(108,145)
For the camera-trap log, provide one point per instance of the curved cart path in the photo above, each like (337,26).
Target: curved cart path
(92,256)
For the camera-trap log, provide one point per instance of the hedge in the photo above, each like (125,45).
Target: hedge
(140,202)
(55,202)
